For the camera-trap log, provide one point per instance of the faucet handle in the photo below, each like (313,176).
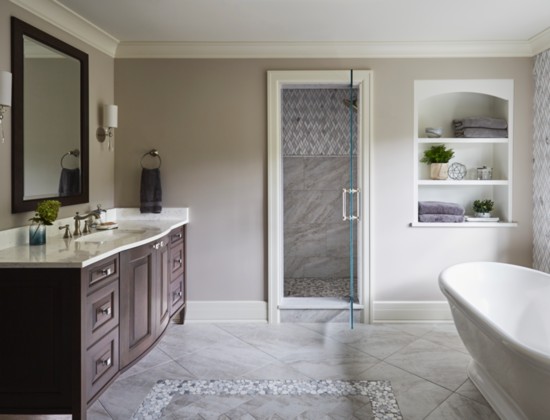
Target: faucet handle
(67,231)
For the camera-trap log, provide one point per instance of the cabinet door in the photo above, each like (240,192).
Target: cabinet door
(137,289)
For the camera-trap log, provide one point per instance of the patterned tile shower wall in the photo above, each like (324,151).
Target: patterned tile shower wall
(315,122)
(541,164)
(315,169)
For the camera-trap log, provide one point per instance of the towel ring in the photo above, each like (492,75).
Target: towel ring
(152,153)
(75,153)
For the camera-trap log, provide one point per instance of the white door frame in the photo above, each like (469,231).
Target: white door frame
(276,80)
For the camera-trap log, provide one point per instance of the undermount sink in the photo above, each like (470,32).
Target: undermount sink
(109,235)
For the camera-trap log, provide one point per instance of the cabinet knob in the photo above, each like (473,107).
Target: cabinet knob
(107,271)
(179,261)
(178,235)
(178,294)
(105,311)
(105,362)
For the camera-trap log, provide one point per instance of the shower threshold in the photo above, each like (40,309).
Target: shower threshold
(317,303)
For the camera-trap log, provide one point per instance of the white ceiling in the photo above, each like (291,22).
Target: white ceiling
(510,25)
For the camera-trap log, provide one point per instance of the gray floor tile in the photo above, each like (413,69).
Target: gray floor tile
(446,335)
(469,390)
(457,407)
(275,370)
(155,357)
(441,365)
(98,412)
(416,397)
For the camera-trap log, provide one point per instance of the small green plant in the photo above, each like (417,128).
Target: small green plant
(437,154)
(46,212)
(483,206)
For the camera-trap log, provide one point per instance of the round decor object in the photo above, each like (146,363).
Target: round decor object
(457,171)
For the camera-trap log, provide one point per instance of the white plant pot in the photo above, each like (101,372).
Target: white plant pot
(439,170)
(482,214)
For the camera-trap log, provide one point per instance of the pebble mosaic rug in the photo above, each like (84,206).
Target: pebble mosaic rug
(270,399)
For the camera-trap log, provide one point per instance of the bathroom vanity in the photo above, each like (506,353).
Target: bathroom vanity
(77,312)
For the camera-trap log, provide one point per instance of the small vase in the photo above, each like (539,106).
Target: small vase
(485,215)
(439,171)
(37,234)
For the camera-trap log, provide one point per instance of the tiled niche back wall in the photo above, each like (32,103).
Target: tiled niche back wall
(541,164)
(315,136)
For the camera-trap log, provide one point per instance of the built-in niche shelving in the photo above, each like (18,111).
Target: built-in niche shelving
(436,104)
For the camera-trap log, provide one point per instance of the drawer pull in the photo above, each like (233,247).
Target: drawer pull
(156,246)
(178,294)
(105,311)
(106,271)
(179,261)
(178,235)
(105,362)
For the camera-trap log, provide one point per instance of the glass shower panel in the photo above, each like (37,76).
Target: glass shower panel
(319,161)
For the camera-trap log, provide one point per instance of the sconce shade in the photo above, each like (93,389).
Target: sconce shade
(110,116)
(5,88)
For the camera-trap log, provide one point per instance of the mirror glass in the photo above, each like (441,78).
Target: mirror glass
(50,112)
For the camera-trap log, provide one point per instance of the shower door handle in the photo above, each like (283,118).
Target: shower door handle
(357,194)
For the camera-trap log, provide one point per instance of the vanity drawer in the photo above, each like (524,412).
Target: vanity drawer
(177,260)
(102,312)
(177,295)
(101,273)
(101,363)
(176,235)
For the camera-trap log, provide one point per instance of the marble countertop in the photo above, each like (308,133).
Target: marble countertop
(134,229)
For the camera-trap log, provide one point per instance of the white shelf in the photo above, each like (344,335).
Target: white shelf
(463,182)
(461,140)
(464,224)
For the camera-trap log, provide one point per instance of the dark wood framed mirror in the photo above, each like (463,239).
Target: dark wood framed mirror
(49,119)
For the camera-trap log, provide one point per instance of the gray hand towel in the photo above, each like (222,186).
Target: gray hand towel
(151,191)
(440,207)
(481,122)
(440,218)
(481,133)
(69,182)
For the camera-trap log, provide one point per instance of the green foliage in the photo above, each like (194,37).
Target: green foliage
(437,154)
(483,206)
(46,212)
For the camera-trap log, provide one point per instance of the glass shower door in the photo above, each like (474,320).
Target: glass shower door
(351,197)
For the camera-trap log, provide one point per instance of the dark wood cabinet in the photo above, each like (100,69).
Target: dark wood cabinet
(82,327)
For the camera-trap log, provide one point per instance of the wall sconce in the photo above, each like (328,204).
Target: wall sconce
(110,121)
(5,96)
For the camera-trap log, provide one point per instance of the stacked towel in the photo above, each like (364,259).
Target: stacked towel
(439,211)
(151,191)
(481,127)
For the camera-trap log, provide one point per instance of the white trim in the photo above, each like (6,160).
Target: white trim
(323,49)
(276,80)
(411,311)
(540,42)
(226,311)
(64,18)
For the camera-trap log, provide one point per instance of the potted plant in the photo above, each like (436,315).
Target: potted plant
(45,215)
(438,157)
(483,208)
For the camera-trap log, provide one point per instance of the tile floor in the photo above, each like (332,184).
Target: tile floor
(426,364)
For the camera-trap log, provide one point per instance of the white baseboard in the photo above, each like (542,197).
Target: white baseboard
(419,311)
(256,311)
(226,311)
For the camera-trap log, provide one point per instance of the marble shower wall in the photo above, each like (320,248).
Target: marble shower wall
(315,169)
(541,164)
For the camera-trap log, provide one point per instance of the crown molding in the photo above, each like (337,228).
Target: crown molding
(60,16)
(540,42)
(322,49)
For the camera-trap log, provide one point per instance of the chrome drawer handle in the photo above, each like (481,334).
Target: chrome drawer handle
(156,246)
(178,235)
(179,261)
(178,294)
(105,311)
(106,271)
(106,362)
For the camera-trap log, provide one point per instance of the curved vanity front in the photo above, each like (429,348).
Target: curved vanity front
(77,312)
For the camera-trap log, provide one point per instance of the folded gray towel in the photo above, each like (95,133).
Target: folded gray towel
(440,207)
(151,191)
(441,218)
(481,122)
(69,182)
(481,133)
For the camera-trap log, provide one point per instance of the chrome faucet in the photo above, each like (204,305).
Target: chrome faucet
(78,218)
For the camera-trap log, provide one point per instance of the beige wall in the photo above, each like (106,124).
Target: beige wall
(101,72)
(208,120)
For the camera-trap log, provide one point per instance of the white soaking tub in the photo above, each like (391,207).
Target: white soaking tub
(502,313)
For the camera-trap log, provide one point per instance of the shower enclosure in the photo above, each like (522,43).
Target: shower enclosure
(319,162)
(318,195)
